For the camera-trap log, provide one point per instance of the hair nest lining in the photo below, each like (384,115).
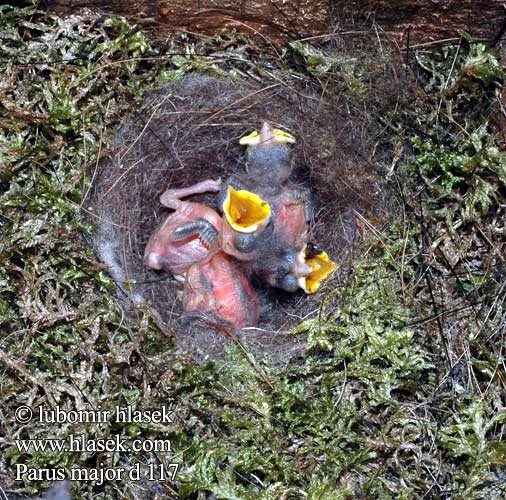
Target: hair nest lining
(189,131)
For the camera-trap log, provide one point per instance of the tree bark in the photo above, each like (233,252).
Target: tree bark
(428,20)
(420,21)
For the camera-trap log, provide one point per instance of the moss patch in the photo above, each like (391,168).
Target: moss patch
(401,390)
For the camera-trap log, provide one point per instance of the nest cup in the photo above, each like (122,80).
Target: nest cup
(189,131)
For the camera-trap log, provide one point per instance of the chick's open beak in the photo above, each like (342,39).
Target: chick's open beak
(245,211)
(265,135)
(283,137)
(250,140)
(321,267)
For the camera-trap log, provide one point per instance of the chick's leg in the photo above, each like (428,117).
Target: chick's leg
(172,197)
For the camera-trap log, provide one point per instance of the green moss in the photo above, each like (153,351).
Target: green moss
(378,407)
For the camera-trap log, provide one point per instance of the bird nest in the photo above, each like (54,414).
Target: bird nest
(189,131)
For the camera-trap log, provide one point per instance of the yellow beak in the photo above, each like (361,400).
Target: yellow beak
(246,211)
(250,140)
(321,267)
(276,135)
(283,137)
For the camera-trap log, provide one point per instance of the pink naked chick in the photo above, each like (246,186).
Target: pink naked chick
(274,249)
(187,245)
(187,235)
(219,287)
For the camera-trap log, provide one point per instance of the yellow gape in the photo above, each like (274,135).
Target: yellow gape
(250,140)
(278,135)
(283,137)
(245,211)
(322,267)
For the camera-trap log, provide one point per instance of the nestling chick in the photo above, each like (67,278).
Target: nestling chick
(187,235)
(271,247)
(187,245)
(218,288)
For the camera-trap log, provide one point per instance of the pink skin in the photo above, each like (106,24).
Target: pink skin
(219,288)
(291,224)
(163,250)
(215,285)
(172,197)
